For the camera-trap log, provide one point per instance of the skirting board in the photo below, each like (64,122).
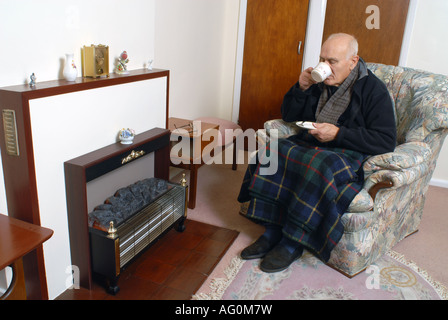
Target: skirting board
(439,183)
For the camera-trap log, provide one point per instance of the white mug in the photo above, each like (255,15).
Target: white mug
(321,72)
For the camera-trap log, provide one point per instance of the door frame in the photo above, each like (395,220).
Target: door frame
(314,31)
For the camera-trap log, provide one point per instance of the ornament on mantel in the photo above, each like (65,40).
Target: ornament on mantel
(32,80)
(126,136)
(121,65)
(70,72)
(149,67)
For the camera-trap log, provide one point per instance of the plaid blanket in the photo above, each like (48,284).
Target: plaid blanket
(308,194)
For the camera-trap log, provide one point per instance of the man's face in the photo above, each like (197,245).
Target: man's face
(335,53)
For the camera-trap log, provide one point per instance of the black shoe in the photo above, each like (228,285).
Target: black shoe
(258,249)
(279,259)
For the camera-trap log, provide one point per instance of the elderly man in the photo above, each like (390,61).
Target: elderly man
(319,170)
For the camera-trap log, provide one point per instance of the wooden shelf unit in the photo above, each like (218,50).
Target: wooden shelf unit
(20,171)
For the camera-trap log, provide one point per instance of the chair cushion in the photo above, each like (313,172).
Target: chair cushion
(226,136)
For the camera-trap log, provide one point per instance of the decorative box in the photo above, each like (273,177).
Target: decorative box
(95,61)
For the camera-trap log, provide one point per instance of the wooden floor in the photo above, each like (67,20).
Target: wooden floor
(174,268)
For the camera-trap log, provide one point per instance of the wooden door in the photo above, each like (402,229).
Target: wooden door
(377,24)
(272,62)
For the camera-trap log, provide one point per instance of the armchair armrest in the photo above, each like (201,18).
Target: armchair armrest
(394,179)
(406,164)
(285,129)
(406,155)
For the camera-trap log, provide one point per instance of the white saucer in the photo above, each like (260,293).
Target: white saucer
(306,125)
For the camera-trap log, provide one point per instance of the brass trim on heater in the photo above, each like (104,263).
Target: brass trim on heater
(183,183)
(117,256)
(112,232)
(10,128)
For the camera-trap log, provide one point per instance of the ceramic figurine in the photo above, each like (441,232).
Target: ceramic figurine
(126,136)
(33,80)
(122,61)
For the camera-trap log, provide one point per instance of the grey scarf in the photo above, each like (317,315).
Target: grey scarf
(330,109)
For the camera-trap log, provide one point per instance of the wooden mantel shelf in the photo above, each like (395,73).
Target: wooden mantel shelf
(55,87)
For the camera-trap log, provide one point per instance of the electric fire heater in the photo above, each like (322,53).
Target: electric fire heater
(130,221)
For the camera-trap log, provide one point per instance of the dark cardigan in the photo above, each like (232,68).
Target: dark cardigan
(368,124)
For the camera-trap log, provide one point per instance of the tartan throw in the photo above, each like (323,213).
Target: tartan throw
(308,194)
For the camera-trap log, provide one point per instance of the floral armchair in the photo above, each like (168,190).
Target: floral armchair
(390,205)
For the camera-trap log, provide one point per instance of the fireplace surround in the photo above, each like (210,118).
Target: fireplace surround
(92,166)
(56,121)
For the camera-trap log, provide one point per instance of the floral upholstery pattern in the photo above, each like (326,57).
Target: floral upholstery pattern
(373,226)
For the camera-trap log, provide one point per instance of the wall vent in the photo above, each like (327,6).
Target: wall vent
(10,127)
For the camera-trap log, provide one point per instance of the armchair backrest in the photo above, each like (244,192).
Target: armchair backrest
(420,100)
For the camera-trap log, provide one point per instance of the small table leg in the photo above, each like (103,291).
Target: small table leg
(193,186)
(16,290)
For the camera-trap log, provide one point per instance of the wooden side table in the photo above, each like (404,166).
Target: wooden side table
(17,238)
(193,161)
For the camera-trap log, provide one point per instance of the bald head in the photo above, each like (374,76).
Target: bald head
(347,41)
(340,51)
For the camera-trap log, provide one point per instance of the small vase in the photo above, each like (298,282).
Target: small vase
(70,71)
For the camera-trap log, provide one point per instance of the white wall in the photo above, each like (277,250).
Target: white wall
(196,40)
(428,45)
(35,35)
(428,51)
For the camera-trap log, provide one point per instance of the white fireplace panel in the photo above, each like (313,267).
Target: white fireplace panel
(69,125)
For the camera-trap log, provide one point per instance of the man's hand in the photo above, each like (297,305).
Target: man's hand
(305,79)
(325,132)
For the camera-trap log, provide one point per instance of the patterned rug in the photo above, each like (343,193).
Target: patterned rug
(392,277)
